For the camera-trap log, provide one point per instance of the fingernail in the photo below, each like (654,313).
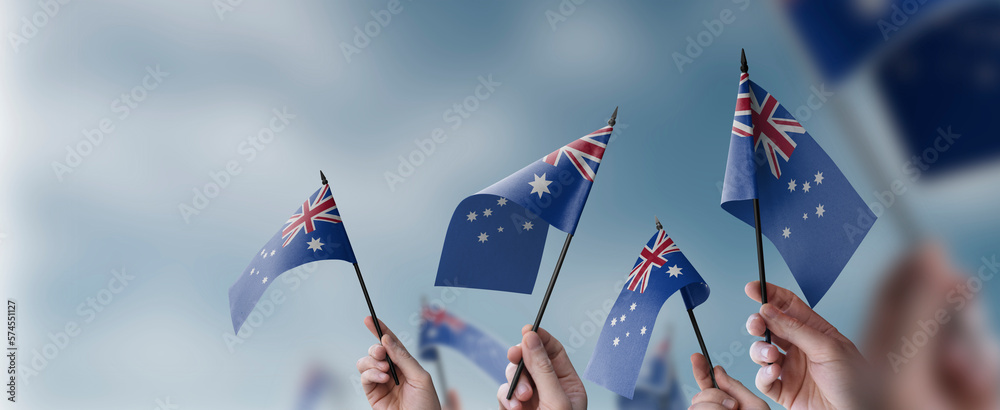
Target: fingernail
(533,342)
(765,351)
(522,389)
(729,403)
(769,370)
(750,320)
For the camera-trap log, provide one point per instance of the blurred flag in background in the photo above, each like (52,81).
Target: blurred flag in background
(440,328)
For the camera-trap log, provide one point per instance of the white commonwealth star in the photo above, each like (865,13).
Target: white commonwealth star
(262,251)
(805,186)
(272,253)
(540,185)
(786,232)
(471,216)
(819,210)
(315,245)
(483,237)
(488,212)
(791,185)
(819,177)
(527,226)
(642,331)
(265,280)
(616,341)
(674,271)
(632,308)
(500,229)
(614,321)
(502,201)
(805,216)
(251,271)
(621,319)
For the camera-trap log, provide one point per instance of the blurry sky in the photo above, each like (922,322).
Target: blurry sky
(224,72)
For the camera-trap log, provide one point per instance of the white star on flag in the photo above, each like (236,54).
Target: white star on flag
(819,210)
(642,331)
(614,321)
(265,280)
(791,185)
(471,216)
(616,341)
(272,253)
(819,177)
(622,319)
(488,212)
(786,232)
(632,308)
(674,271)
(500,229)
(805,186)
(315,245)
(483,237)
(805,216)
(626,334)
(502,201)
(540,185)
(527,226)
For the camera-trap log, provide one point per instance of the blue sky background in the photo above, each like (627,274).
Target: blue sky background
(163,336)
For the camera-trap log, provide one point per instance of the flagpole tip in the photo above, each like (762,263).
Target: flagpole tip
(743,61)
(659,227)
(614,116)
(322,177)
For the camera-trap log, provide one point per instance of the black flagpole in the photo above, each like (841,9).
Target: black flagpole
(697,330)
(371,309)
(756,219)
(548,292)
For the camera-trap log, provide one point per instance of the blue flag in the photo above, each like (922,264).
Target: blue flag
(496,237)
(314,232)
(808,209)
(660,271)
(440,328)
(658,388)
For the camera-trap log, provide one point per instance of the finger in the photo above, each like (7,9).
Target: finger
(400,356)
(786,301)
(818,346)
(764,353)
(377,352)
(699,366)
(372,377)
(757,327)
(368,362)
(557,353)
(737,390)
(512,404)
(714,396)
(514,353)
(536,361)
(524,389)
(767,381)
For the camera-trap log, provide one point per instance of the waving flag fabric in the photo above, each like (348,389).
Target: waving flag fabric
(495,237)
(314,232)
(658,388)
(440,328)
(660,271)
(808,208)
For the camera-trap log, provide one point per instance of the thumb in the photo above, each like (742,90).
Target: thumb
(537,361)
(815,344)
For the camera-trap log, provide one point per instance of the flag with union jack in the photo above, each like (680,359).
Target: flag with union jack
(438,327)
(808,208)
(660,270)
(495,238)
(314,232)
